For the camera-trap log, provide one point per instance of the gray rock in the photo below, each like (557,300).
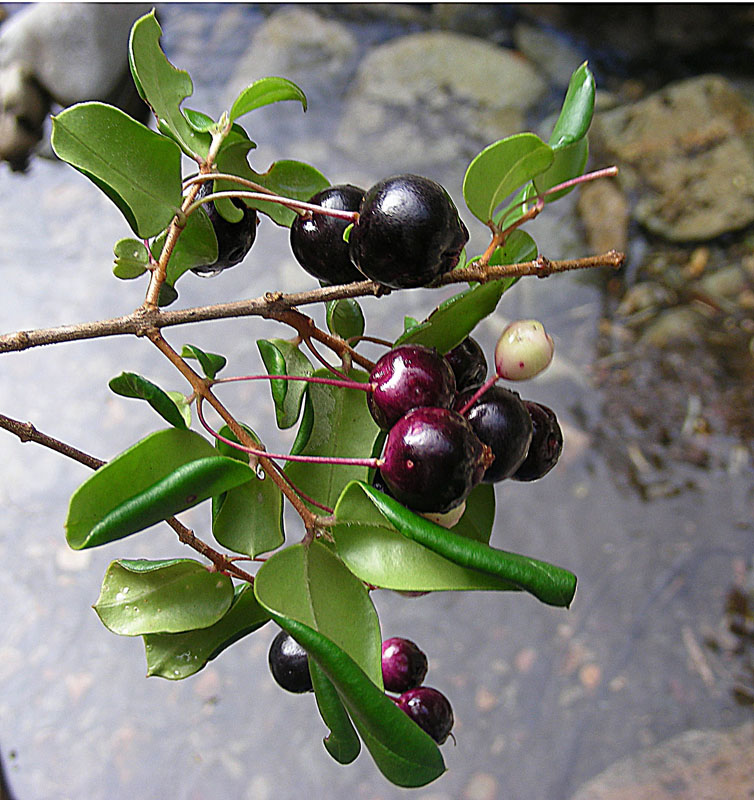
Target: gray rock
(463,93)
(686,152)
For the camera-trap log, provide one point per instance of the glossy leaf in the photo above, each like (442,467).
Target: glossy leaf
(500,169)
(195,247)
(305,427)
(343,742)
(139,170)
(569,163)
(548,583)
(129,384)
(166,472)
(131,259)
(139,597)
(345,318)
(178,655)
(211,363)
(342,428)
(577,110)
(266,91)
(163,87)
(282,357)
(376,551)
(249,518)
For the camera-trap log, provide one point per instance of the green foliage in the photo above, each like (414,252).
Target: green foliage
(345,318)
(129,384)
(211,363)
(282,357)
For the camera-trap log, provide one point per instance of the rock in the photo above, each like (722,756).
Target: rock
(687,153)
(550,51)
(605,214)
(674,326)
(709,764)
(463,93)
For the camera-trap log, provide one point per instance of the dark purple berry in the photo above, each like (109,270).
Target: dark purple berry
(289,664)
(430,710)
(468,364)
(234,239)
(406,377)
(404,665)
(500,419)
(408,232)
(317,239)
(379,483)
(546,443)
(433,459)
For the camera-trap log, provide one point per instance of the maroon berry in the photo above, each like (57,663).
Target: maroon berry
(468,364)
(289,664)
(317,239)
(430,710)
(404,665)
(408,232)
(500,419)
(433,459)
(546,443)
(409,376)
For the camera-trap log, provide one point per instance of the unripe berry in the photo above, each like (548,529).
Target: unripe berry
(523,350)
(430,710)
(404,665)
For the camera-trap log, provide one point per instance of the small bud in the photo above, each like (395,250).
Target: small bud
(523,350)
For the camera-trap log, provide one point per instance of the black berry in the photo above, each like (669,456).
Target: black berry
(500,419)
(289,664)
(317,239)
(404,665)
(406,377)
(430,710)
(546,443)
(234,239)
(433,459)
(408,232)
(468,364)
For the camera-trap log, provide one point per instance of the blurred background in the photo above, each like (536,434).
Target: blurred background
(644,688)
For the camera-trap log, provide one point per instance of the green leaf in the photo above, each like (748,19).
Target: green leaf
(129,384)
(182,402)
(518,206)
(178,655)
(195,247)
(479,516)
(139,597)
(345,318)
(500,169)
(166,472)
(249,518)
(131,259)
(163,87)
(282,357)
(266,91)
(548,583)
(376,551)
(342,428)
(569,163)
(578,108)
(139,170)
(211,363)
(305,427)
(342,743)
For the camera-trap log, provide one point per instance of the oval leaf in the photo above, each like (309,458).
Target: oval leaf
(139,597)
(131,259)
(345,318)
(211,363)
(129,384)
(578,108)
(266,91)
(282,357)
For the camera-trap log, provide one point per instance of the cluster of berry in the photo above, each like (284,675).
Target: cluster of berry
(404,667)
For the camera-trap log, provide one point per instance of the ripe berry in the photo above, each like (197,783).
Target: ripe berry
(317,239)
(523,350)
(546,443)
(289,664)
(500,419)
(433,459)
(408,232)
(430,710)
(468,364)
(406,377)
(234,239)
(404,665)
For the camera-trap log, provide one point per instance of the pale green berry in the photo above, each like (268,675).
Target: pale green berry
(523,350)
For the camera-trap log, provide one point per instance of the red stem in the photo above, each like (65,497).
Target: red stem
(365,387)
(478,393)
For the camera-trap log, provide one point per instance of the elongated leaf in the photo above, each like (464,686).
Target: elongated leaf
(129,384)
(500,169)
(139,597)
(578,108)
(163,87)
(548,583)
(195,247)
(166,472)
(131,259)
(211,363)
(263,92)
(139,170)
(569,162)
(178,655)
(342,743)
(375,550)
(345,318)
(282,357)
